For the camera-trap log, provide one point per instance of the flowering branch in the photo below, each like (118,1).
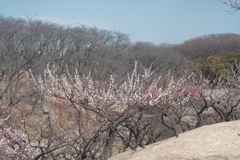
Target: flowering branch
(233,4)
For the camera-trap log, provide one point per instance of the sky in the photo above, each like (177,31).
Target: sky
(155,21)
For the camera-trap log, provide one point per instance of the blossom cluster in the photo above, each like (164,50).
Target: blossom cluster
(14,144)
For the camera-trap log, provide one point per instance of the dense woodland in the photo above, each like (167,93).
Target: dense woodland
(86,93)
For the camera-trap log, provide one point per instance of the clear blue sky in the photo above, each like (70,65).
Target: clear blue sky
(157,21)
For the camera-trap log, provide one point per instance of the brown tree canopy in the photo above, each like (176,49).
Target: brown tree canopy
(205,46)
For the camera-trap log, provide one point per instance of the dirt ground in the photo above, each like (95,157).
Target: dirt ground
(213,142)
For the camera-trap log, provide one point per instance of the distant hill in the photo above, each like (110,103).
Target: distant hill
(213,142)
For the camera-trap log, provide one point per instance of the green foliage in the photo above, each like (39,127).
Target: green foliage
(219,65)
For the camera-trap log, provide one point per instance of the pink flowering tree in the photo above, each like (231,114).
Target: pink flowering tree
(30,136)
(14,143)
(233,4)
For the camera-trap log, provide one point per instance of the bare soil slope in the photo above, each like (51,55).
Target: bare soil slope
(213,142)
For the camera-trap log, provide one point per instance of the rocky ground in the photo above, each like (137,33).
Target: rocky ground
(213,142)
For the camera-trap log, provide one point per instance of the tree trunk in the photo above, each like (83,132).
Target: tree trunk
(107,151)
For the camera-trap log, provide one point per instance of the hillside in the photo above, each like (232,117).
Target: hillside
(88,93)
(213,142)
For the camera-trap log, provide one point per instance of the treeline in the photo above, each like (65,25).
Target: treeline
(30,43)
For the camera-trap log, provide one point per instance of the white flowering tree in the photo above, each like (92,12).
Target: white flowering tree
(109,115)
